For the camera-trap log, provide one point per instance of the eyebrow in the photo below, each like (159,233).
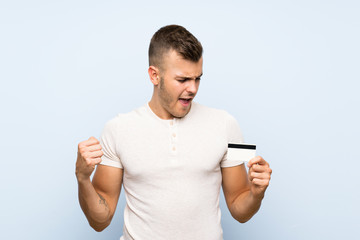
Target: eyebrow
(188,78)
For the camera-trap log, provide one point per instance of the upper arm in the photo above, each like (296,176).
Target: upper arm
(107,182)
(234,182)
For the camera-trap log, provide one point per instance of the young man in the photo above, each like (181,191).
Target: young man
(170,155)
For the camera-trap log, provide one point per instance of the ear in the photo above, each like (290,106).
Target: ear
(154,75)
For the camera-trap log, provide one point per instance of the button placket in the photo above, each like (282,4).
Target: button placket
(173,136)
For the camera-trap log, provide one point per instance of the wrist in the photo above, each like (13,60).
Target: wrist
(257,196)
(82,179)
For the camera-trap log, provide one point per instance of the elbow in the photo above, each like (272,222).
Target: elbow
(99,227)
(100,223)
(242,219)
(242,216)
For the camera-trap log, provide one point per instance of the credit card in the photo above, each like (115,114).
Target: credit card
(241,151)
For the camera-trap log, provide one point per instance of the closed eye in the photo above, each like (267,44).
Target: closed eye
(184,79)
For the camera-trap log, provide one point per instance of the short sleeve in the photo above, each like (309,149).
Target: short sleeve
(234,135)
(108,144)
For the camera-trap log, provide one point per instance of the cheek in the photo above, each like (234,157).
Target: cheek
(176,90)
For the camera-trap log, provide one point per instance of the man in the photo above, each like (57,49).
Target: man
(170,155)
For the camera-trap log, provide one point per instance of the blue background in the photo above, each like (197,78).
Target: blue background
(287,70)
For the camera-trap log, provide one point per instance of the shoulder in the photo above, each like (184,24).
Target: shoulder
(220,121)
(214,113)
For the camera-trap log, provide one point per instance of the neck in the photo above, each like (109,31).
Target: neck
(156,107)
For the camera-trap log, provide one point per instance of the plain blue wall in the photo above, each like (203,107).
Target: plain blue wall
(287,70)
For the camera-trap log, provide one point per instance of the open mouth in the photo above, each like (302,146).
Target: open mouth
(185,101)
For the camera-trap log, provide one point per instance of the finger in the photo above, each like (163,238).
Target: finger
(85,151)
(94,148)
(84,144)
(257,160)
(93,162)
(97,161)
(96,154)
(263,175)
(92,155)
(258,168)
(260,182)
(92,141)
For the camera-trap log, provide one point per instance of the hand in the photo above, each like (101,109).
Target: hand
(259,176)
(89,155)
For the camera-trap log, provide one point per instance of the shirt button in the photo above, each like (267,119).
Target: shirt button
(174,135)
(171,123)
(174,149)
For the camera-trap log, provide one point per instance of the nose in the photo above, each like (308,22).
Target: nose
(192,87)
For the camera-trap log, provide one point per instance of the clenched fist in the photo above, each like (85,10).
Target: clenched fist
(89,155)
(259,175)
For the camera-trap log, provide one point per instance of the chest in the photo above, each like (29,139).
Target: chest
(172,150)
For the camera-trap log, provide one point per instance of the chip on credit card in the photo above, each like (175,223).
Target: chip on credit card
(241,151)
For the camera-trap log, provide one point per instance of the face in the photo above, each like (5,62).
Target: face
(179,83)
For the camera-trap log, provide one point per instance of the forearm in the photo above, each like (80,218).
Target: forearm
(93,205)
(245,206)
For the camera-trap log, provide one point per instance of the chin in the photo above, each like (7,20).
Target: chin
(179,111)
(180,114)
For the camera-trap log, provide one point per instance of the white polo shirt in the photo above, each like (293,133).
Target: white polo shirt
(172,173)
